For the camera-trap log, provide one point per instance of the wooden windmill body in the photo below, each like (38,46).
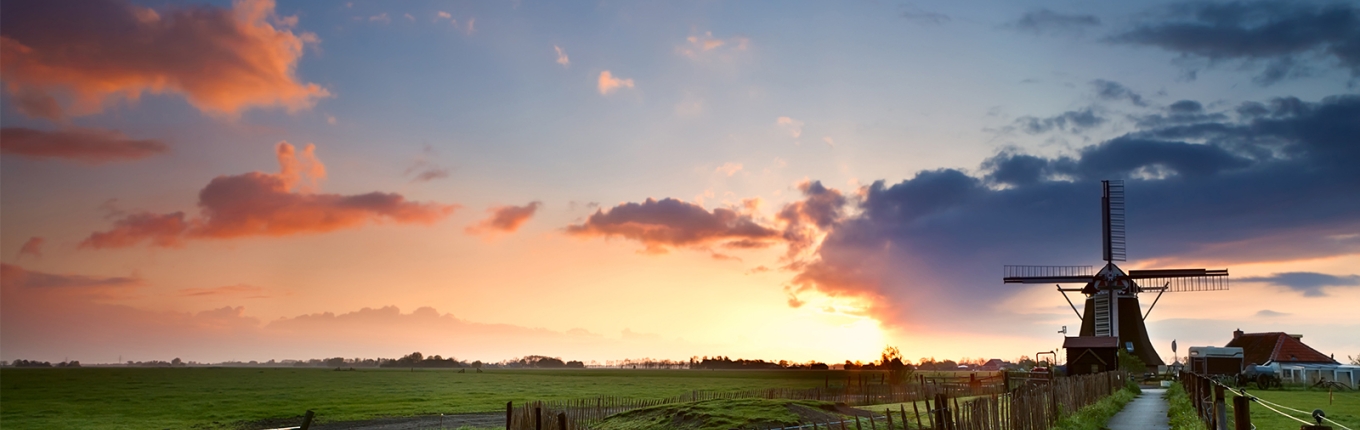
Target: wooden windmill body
(1112,308)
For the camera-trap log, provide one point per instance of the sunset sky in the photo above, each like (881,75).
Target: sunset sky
(604,180)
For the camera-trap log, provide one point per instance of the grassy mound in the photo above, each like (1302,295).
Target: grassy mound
(725,414)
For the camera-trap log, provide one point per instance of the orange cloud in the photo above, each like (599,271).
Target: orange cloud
(31,247)
(702,44)
(608,83)
(92,146)
(562,57)
(674,223)
(506,219)
(67,57)
(793,126)
(264,204)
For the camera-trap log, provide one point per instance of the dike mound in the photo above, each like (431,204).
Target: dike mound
(725,414)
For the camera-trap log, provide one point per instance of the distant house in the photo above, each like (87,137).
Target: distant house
(1295,361)
(993,365)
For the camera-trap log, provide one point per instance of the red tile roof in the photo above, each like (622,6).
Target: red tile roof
(1258,348)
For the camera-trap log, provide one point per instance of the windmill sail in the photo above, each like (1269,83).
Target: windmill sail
(1113,220)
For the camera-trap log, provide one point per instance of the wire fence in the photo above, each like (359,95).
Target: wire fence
(1208,397)
(1035,405)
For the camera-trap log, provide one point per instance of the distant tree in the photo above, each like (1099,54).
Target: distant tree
(1355,360)
(1131,363)
(477,364)
(176,362)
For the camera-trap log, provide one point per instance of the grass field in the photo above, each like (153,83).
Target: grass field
(1342,407)
(136,398)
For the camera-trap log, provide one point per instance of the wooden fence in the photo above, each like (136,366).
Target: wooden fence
(1031,406)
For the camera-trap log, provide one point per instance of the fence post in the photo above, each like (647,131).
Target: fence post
(888,413)
(561,421)
(917,411)
(1241,413)
(307,420)
(1220,409)
(538,417)
(509,411)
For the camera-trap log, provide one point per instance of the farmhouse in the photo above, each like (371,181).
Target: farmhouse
(1295,361)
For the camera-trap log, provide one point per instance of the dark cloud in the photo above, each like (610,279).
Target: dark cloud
(1180,112)
(671,223)
(1263,187)
(820,209)
(1073,121)
(33,246)
(918,15)
(92,146)
(1267,313)
(1277,33)
(1110,90)
(16,276)
(1308,283)
(1045,21)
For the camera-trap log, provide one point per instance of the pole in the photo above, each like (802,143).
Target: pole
(1241,413)
(1220,409)
(307,420)
(509,413)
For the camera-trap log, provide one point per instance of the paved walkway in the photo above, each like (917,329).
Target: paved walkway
(1146,412)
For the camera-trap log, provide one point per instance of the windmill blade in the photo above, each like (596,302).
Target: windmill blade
(1112,211)
(1047,274)
(1183,280)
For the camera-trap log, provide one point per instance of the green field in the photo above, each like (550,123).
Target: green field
(1343,407)
(135,398)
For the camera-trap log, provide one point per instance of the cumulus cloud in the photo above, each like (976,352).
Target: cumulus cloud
(91,146)
(1262,187)
(792,126)
(670,223)
(1280,34)
(806,220)
(505,219)
(608,83)
(562,56)
(268,204)
(33,246)
(1047,21)
(1311,284)
(68,57)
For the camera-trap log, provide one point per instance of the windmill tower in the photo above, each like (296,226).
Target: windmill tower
(1112,308)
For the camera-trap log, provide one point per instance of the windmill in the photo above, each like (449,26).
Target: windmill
(1111,308)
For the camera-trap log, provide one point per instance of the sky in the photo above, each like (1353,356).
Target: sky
(605,180)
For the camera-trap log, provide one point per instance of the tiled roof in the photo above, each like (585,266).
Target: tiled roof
(1258,348)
